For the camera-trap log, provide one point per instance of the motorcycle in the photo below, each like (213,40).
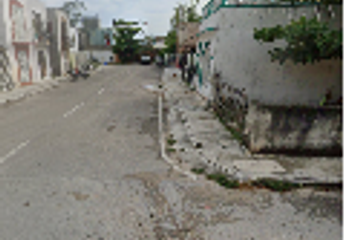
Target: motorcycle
(77,73)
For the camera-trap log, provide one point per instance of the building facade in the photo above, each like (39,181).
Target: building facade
(59,47)
(16,43)
(187,36)
(97,43)
(24,43)
(40,40)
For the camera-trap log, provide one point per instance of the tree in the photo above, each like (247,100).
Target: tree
(171,42)
(184,13)
(74,11)
(125,45)
(308,41)
(192,15)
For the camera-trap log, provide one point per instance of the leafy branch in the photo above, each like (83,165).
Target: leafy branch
(74,11)
(308,41)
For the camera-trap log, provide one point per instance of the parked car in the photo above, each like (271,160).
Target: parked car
(145,59)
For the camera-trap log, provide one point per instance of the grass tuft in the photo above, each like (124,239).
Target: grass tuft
(171,141)
(171,150)
(223,180)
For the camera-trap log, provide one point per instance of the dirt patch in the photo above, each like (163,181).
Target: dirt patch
(111,128)
(80,196)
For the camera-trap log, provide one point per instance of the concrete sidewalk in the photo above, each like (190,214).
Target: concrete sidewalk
(21,93)
(199,139)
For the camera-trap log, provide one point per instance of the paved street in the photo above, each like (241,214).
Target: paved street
(81,161)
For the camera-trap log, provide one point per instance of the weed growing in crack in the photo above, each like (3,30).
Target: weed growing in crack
(198,170)
(223,180)
(276,185)
(171,141)
(171,150)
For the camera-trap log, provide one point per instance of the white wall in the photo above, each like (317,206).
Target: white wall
(82,58)
(244,63)
(37,6)
(65,59)
(74,34)
(3,15)
(101,55)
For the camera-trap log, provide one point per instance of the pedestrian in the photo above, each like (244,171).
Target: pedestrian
(182,64)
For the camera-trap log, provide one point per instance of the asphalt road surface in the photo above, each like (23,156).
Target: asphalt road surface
(82,162)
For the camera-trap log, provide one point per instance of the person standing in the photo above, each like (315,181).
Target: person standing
(182,64)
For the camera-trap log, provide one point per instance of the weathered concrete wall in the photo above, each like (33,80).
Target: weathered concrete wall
(245,63)
(3,15)
(300,130)
(82,58)
(54,41)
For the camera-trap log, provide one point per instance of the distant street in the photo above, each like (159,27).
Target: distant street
(82,162)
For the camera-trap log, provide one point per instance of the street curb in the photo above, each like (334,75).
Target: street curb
(162,142)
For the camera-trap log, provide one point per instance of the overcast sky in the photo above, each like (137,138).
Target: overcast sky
(156,12)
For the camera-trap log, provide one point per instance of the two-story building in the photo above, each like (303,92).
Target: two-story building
(15,40)
(24,53)
(59,46)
